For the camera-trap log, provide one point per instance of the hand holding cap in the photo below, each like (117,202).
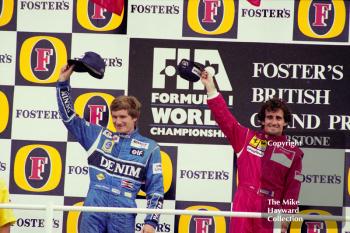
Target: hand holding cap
(190,70)
(90,62)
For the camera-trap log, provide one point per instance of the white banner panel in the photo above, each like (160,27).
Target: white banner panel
(7,57)
(33,221)
(5,156)
(166,222)
(204,173)
(35,114)
(45,16)
(271,21)
(114,49)
(76,171)
(323,177)
(155,19)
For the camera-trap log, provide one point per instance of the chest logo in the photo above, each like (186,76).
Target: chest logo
(107,146)
(137,152)
(139,144)
(283,156)
(257,146)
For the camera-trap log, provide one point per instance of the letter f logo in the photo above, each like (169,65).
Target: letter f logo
(321,14)
(314,227)
(210,10)
(96,113)
(42,58)
(38,167)
(202,224)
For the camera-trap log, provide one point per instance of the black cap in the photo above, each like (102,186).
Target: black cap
(190,70)
(90,62)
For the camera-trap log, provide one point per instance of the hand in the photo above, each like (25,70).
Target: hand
(208,81)
(284,227)
(65,73)
(147,229)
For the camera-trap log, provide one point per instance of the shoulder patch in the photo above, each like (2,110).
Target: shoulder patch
(107,133)
(298,176)
(157,168)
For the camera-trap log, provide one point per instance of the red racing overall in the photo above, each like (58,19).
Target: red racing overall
(269,171)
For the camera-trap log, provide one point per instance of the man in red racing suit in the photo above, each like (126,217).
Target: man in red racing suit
(269,166)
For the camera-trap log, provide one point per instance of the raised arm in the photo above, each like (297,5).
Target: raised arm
(83,131)
(233,130)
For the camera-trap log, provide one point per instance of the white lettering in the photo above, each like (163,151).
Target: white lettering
(291,96)
(181,116)
(297,71)
(192,132)
(341,122)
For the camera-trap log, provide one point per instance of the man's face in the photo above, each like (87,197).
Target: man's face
(274,122)
(123,122)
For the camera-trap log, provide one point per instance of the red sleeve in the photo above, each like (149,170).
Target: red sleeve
(115,6)
(233,130)
(293,184)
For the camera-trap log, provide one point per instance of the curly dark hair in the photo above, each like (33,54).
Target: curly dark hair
(273,105)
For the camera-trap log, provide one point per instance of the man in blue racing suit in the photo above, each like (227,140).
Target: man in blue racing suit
(119,163)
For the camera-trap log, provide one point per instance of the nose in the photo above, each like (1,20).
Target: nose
(116,121)
(274,121)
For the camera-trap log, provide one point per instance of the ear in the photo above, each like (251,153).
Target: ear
(285,124)
(262,122)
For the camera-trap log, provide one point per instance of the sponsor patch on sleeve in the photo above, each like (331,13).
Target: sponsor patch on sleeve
(66,100)
(157,168)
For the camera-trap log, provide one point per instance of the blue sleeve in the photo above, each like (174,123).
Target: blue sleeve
(154,186)
(84,132)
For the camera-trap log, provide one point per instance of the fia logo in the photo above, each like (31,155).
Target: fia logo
(166,60)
